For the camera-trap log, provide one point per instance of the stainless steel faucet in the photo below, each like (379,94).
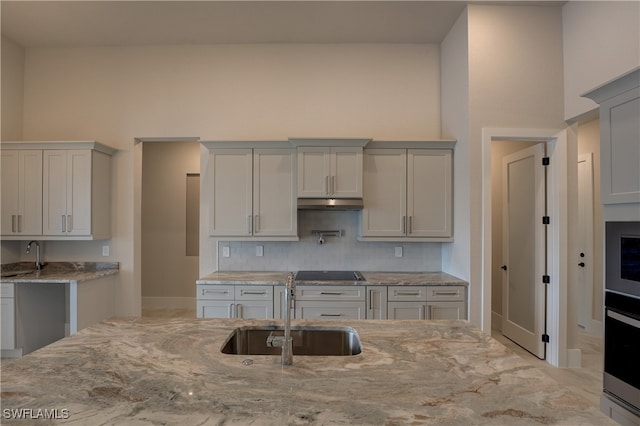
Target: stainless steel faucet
(39,264)
(286,341)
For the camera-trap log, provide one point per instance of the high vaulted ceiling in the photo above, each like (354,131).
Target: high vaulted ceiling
(120,23)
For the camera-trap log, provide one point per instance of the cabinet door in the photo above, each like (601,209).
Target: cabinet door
(274,199)
(215,309)
(330,310)
(429,194)
(7,316)
(385,192)
(407,310)
(346,172)
(79,196)
(446,310)
(54,192)
(230,192)
(10,183)
(377,302)
(314,168)
(254,309)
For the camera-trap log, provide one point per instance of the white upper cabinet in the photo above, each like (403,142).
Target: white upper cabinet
(330,172)
(76,193)
(619,138)
(251,192)
(21,192)
(407,195)
(56,190)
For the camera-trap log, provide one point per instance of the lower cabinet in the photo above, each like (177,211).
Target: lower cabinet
(333,302)
(7,316)
(233,301)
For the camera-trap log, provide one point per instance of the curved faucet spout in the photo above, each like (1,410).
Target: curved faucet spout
(289,297)
(39,264)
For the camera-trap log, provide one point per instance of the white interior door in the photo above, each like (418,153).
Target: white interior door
(524,249)
(584,259)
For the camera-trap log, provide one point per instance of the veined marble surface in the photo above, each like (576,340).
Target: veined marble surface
(60,272)
(371,278)
(155,371)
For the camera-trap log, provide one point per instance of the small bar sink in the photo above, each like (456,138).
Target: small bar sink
(310,341)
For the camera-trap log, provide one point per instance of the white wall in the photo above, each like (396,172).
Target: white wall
(12,90)
(601,41)
(114,94)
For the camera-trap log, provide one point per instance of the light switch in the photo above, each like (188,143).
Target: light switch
(399,251)
(225,251)
(259,251)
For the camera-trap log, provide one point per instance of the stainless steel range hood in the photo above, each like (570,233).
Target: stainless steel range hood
(330,204)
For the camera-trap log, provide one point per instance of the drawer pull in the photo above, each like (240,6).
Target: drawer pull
(330,315)
(445,293)
(257,293)
(407,293)
(215,292)
(330,293)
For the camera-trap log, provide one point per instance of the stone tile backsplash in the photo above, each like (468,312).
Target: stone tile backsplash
(337,253)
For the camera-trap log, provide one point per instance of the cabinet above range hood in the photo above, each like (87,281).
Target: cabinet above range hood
(330,204)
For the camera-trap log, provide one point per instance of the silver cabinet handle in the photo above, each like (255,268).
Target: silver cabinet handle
(69,223)
(404,224)
(370,300)
(255,293)
(19,223)
(63,225)
(257,223)
(330,293)
(430,312)
(422,312)
(326,185)
(214,292)
(13,223)
(410,225)
(407,293)
(238,310)
(333,185)
(249,224)
(330,315)
(445,293)
(231,306)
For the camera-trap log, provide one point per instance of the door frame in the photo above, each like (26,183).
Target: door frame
(557,141)
(589,217)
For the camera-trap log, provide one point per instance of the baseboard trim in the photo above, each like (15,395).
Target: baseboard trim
(169,303)
(496,321)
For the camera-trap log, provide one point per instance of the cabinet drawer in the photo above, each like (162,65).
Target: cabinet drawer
(407,293)
(330,311)
(447,293)
(338,293)
(6,290)
(216,292)
(253,292)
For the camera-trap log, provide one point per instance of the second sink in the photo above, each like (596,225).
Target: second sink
(310,341)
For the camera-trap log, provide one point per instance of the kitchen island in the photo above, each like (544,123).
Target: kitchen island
(158,371)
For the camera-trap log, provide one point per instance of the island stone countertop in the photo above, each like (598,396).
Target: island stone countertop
(370,278)
(158,371)
(58,272)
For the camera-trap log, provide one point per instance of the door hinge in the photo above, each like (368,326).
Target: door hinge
(545,338)
(546,279)
(546,161)
(546,220)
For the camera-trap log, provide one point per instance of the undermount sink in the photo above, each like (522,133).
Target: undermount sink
(16,273)
(310,341)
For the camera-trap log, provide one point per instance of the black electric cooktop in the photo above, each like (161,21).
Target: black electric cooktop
(329,276)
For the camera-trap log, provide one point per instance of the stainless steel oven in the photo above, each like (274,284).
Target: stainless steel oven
(622,349)
(622,253)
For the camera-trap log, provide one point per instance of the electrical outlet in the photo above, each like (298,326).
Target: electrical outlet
(225,251)
(105,251)
(398,251)
(259,251)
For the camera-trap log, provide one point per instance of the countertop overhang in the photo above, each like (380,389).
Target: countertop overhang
(370,278)
(149,371)
(60,272)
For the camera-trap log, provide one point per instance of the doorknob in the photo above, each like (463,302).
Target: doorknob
(503,267)
(581,254)
(581,264)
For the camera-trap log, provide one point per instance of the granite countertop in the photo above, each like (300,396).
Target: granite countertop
(59,272)
(371,278)
(158,371)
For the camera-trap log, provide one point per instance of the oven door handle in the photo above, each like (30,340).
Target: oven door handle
(625,319)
